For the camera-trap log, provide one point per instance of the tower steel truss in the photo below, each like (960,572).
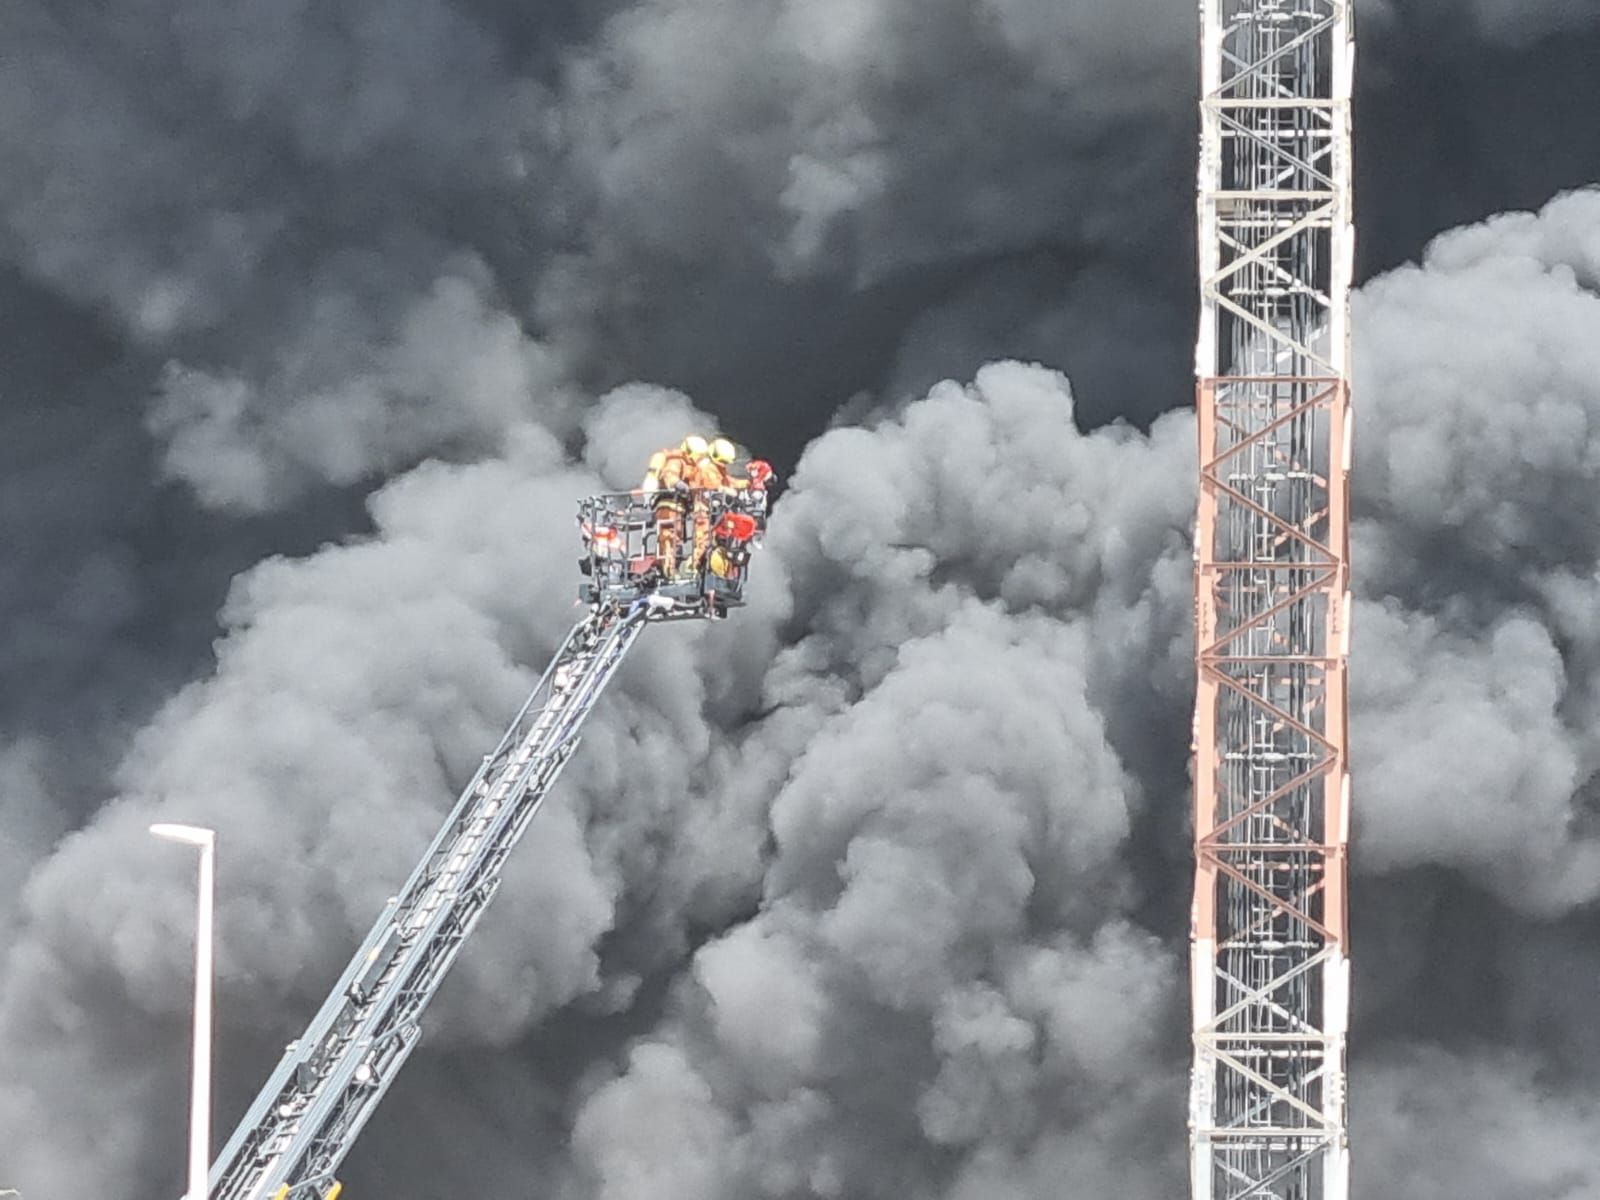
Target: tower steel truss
(1270,966)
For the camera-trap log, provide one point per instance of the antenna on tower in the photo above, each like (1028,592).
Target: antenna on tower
(1269,953)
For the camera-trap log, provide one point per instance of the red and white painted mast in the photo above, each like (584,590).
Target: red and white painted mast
(1270,955)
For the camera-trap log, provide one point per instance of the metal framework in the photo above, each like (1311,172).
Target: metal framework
(329,1082)
(1270,966)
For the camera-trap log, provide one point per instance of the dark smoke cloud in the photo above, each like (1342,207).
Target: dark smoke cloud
(1517,23)
(27,816)
(258,260)
(832,167)
(831,151)
(1424,1117)
(232,200)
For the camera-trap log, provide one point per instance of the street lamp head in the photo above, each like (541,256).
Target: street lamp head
(192,835)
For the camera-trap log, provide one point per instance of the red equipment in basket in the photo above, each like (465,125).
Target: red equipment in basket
(735,527)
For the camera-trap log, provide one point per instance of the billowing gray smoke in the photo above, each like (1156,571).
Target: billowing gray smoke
(1480,552)
(878,890)
(882,818)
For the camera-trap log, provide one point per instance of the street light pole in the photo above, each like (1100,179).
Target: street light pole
(200,1093)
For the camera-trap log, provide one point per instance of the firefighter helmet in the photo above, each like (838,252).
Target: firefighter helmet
(694,446)
(722,451)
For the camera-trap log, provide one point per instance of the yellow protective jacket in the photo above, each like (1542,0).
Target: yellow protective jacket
(666,469)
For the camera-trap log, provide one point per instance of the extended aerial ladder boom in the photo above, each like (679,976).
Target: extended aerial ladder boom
(328,1083)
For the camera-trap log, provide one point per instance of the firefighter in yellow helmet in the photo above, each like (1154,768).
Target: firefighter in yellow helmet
(677,460)
(722,452)
(711,474)
(668,477)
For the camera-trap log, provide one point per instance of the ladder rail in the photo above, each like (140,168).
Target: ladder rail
(255,1125)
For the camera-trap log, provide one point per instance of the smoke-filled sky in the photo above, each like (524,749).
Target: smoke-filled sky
(318,319)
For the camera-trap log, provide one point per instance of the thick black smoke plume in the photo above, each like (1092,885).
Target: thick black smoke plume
(880,889)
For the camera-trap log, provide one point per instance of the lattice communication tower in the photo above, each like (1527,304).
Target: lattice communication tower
(1270,965)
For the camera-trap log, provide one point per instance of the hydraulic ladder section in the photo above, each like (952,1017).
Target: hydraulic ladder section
(327,1085)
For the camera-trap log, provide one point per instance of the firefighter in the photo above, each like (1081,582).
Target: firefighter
(711,468)
(679,457)
(720,453)
(710,474)
(668,477)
